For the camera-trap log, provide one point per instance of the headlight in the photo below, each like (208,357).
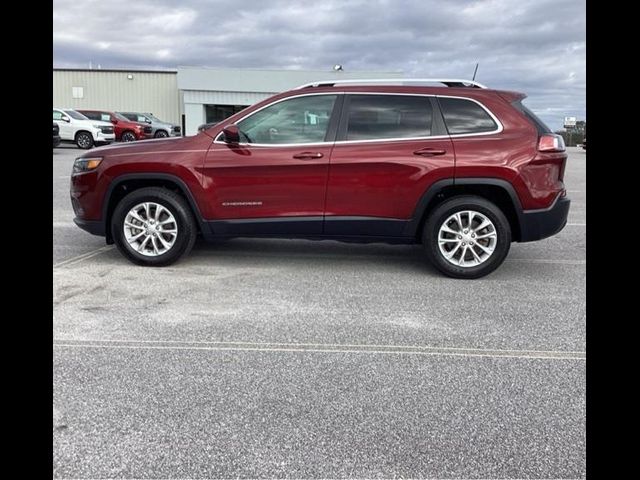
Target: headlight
(99,127)
(86,164)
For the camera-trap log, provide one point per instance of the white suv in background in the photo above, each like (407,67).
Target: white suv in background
(78,129)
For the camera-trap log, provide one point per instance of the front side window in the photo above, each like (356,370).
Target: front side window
(57,115)
(373,117)
(296,120)
(464,116)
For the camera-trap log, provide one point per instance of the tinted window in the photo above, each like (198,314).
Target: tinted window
(297,120)
(465,116)
(76,115)
(388,116)
(91,115)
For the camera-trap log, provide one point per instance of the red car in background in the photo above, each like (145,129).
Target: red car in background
(125,129)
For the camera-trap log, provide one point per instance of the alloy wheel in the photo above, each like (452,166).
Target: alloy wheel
(467,238)
(150,229)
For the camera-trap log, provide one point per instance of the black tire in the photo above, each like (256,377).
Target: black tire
(458,204)
(179,208)
(84,140)
(128,136)
(161,134)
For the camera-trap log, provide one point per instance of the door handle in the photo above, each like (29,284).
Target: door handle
(430,152)
(308,155)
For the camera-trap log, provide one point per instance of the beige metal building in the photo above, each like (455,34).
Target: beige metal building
(119,90)
(189,96)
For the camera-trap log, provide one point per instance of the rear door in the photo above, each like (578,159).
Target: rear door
(390,149)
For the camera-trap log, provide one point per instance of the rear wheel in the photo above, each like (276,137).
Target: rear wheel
(84,140)
(128,137)
(466,237)
(153,226)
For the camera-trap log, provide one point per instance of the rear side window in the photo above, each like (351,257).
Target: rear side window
(464,116)
(374,117)
(533,119)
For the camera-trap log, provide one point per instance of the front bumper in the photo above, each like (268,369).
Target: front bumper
(539,224)
(94,227)
(104,137)
(56,140)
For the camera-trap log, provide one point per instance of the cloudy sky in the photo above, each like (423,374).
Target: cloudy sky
(534,46)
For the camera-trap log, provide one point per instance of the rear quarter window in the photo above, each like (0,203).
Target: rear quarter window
(465,116)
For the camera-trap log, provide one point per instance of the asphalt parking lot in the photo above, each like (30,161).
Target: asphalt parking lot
(281,358)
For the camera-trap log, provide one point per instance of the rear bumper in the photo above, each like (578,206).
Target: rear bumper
(539,224)
(94,227)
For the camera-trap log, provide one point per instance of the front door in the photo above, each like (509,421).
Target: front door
(390,149)
(274,181)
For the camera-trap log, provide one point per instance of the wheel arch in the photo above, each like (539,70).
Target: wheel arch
(495,190)
(124,184)
(75,135)
(128,130)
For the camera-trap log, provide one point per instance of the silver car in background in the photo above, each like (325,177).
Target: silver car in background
(159,128)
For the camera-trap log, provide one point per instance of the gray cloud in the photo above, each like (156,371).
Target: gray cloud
(533,46)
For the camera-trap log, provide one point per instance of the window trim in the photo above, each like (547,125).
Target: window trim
(342,109)
(499,128)
(337,107)
(437,122)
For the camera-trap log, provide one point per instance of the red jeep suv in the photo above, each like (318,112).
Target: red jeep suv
(460,168)
(125,129)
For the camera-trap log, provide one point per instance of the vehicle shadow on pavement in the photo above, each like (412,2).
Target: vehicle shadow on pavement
(327,253)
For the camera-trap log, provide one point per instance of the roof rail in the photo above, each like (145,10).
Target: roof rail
(449,82)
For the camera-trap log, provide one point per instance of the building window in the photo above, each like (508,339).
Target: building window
(217,113)
(77,92)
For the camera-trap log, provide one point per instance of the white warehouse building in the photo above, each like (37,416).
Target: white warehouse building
(188,96)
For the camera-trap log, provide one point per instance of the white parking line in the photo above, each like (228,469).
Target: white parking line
(576,225)
(324,345)
(84,256)
(317,348)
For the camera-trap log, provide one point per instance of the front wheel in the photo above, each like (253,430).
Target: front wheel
(153,226)
(161,134)
(466,237)
(84,140)
(128,137)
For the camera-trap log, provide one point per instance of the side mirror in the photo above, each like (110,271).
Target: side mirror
(65,119)
(231,134)
(114,121)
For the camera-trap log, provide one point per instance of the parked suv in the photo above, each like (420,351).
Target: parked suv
(462,169)
(159,128)
(78,129)
(124,129)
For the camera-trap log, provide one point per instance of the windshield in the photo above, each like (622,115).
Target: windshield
(153,118)
(121,117)
(76,115)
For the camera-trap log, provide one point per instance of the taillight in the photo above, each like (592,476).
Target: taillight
(551,143)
